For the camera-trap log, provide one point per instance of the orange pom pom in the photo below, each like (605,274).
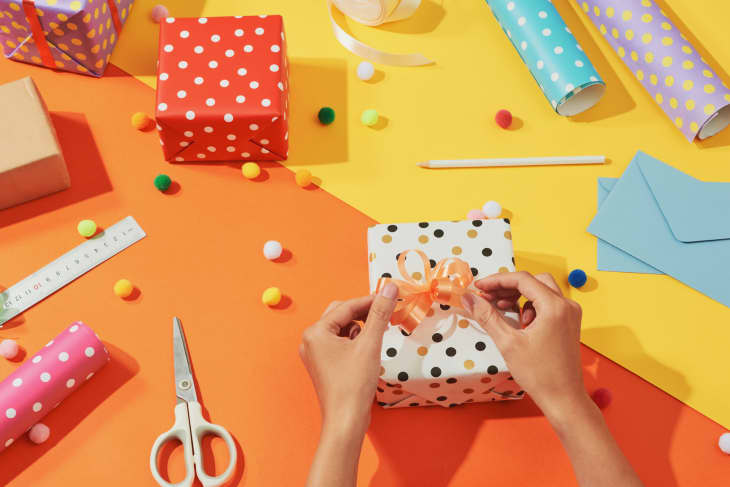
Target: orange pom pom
(141,121)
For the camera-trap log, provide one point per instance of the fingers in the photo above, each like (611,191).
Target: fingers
(524,282)
(549,281)
(331,306)
(344,313)
(528,313)
(488,316)
(380,312)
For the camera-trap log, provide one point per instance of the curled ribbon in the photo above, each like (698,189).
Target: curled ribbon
(36,29)
(446,283)
(373,13)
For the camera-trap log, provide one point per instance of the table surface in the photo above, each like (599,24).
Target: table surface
(206,237)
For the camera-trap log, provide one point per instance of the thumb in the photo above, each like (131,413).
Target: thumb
(488,316)
(380,313)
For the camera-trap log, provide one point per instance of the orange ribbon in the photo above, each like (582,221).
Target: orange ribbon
(37,31)
(446,283)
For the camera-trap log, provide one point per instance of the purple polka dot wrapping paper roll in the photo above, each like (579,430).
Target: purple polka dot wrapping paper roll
(81,34)
(689,91)
(448,359)
(47,378)
(551,53)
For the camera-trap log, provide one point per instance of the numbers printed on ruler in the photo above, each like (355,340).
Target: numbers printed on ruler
(68,267)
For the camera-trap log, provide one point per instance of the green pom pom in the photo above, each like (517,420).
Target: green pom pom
(162,182)
(326,115)
(369,117)
(86,228)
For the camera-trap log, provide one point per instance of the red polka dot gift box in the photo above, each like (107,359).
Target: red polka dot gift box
(433,352)
(223,89)
(70,35)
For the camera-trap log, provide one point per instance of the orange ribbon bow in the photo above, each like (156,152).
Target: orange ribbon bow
(446,283)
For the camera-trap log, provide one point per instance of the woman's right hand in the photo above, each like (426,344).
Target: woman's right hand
(544,356)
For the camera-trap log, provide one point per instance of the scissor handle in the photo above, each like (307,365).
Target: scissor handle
(179,431)
(199,428)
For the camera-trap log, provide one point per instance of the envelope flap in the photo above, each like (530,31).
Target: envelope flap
(695,210)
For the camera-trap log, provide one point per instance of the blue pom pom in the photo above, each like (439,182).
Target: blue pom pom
(577,278)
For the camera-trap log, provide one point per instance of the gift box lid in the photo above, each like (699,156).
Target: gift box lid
(223,72)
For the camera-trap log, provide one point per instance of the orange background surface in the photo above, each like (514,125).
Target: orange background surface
(202,262)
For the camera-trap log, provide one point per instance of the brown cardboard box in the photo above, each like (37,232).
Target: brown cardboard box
(31,162)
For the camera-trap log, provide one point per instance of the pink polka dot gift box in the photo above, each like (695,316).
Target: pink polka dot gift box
(47,378)
(223,89)
(70,35)
(433,352)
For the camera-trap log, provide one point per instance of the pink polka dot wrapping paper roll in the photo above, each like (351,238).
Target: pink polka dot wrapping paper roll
(80,34)
(222,89)
(679,80)
(448,359)
(47,378)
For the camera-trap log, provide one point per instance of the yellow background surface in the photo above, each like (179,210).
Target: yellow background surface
(657,327)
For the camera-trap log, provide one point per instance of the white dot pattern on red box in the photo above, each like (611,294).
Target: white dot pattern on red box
(220,77)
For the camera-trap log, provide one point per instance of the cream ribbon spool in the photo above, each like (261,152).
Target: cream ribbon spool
(373,13)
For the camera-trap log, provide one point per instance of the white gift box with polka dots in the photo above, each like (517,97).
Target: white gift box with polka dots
(449,359)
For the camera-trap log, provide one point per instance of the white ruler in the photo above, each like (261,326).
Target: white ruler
(74,263)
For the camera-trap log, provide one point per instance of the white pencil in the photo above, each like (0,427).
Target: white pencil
(516,161)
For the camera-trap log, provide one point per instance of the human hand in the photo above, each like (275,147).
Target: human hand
(543,357)
(344,362)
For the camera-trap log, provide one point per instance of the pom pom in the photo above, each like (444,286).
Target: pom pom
(724,443)
(141,121)
(39,433)
(158,13)
(271,296)
(365,70)
(577,278)
(475,215)
(272,250)
(303,177)
(123,288)
(602,397)
(250,170)
(492,209)
(162,182)
(503,118)
(326,115)
(369,117)
(9,349)
(86,228)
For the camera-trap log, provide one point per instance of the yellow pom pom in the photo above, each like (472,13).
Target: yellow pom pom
(141,121)
(303,177)
(86,228)
(271,296)
(123,288)
(250,170)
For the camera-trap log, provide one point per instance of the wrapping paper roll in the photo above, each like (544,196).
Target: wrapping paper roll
(670,68)
(36,387)
(548,48)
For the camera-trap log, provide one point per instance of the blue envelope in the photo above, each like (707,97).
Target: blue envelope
(612,258)
(670,221)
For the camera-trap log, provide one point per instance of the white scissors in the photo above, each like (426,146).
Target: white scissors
(189,427)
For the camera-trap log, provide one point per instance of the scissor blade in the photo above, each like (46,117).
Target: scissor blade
(184,385)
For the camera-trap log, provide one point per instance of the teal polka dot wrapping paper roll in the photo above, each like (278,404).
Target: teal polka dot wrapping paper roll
(668,66)
(551,53)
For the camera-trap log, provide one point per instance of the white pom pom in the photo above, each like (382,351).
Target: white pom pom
(272,250)
(724,443)
(492,209)
(365,70)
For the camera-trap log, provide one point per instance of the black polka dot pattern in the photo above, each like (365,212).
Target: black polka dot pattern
(386,274)
(391,352)
(492,370)
(437,337)
(441,398)
(480,346)
(438,233)
(444,307)
(404,333)
(423,224)
(474,271)
(450,352)
(506,220)
(432,262)
(486,252)
(451,380)
(435,372)
(477,223)
(392,228)
(402,376)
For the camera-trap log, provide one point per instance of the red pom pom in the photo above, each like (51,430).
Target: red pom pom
(602,397)
(503,118)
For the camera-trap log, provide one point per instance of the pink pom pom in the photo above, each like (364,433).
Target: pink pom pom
(503,118)
(9,349)
(158,13)
(39,433)
(602,397)
(475,215)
